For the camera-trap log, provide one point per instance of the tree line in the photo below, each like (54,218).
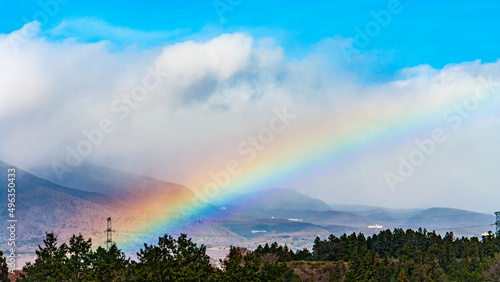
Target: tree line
(171,259)
(396,255)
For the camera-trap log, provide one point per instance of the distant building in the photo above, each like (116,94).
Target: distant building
(258,231)
(376,226)
(295,219)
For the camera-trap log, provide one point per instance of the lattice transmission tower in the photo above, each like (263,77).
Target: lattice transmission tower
(109,235)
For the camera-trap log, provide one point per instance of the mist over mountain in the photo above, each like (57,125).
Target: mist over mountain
(27,183)
(42,206)
(128,187)
(461,222)
(443,218)
(277,198)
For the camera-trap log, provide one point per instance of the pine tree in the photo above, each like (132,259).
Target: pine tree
(402,277)
(4,269)
(109,265)
(80,257)
(50,264)
(173,260)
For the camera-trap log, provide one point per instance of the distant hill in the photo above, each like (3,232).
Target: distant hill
(132,188)
(377,212)
(43,206)
(29,182)
(263,227)
(447,217)
(327,217)
(81,202)
(392,216)
(283,221)
(461,222)
(285,211)
(278,199)
(352,208)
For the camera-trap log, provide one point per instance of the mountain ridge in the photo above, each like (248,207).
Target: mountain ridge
(128,187)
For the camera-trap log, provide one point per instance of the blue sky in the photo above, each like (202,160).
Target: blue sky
(424,32)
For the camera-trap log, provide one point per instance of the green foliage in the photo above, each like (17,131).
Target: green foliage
(4,269)
(264,264)
(396,255)
(319,270)
(170,260)
(50,263)
(109,265)
(76,262)
(173,260)
(79,253)
(410,256)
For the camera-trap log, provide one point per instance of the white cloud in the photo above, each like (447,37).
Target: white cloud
(220,91)
(90,29)
(189,62)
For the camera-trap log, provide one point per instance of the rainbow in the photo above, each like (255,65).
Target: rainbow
(301,159)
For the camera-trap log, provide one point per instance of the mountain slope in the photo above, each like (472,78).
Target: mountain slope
(447,217)
(132,188)
(393,216)
(279,199)
(27,183)
(43,206)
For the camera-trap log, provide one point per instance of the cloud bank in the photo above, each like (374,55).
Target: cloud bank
(179,111)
